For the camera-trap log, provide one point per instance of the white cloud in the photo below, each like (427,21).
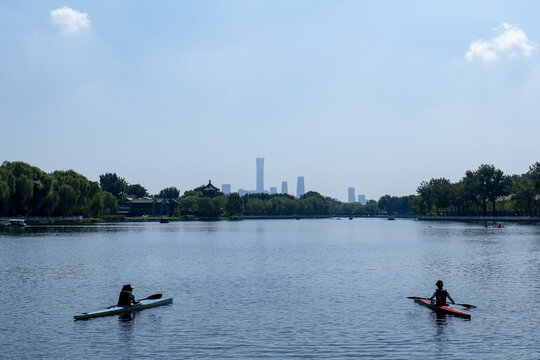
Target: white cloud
(511,42)
(69,20)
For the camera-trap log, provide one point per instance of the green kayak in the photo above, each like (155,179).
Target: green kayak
(118,310)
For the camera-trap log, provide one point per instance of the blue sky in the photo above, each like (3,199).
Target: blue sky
(376,95)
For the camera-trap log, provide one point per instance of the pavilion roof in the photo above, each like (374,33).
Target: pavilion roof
(210,187)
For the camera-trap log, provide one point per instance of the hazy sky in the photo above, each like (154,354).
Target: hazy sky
(378,95)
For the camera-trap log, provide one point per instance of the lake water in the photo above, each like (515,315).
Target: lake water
(271,289)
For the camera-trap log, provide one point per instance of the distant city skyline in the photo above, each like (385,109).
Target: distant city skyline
(259,179)
(175,94)
(284,187)
(362,199)
(260,175)
(226,188)
(352,197)
(300,186)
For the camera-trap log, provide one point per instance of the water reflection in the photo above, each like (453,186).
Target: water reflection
(439,336)
(127,317)
(67,229)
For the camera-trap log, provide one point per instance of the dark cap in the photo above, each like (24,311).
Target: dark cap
(439,283)
(127,287)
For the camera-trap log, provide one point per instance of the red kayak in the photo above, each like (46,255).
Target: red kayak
(443,309)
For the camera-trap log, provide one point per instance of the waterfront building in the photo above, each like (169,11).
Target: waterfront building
(226,189)
(362,199)
(284,189)
(273,190)
(260,175)
(155,207)
(352,197)
(300,188)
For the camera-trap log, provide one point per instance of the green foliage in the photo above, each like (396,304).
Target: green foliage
(96,206)
(524,194)
(209,207)
(137,190)
(110,205)
(486,183)
(235,205)
(188,205)
(534,175)
(435,193)
(67,200)
(27,190)
(169,193)
(393,205)
(114,218)
(481,189)
(193,193)
(310,204)
(112,183)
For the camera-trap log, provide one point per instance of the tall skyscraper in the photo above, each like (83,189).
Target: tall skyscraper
(352,197)
(362,199)
(300,190)
(260,175)
(226,189)
(284,189)
(273,190)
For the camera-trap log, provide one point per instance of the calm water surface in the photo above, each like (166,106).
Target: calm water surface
(281,289)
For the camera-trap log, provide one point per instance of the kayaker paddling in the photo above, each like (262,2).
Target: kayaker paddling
(126,297)
(148,302)
(440,295)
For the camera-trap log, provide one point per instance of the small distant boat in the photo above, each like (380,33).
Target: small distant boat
(16,223)
(391,218)
(350,218)
(164,220)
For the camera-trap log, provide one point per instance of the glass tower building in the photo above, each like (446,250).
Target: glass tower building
(260,175)
(300,190)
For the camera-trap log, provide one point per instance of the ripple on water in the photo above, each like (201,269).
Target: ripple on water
(271,289)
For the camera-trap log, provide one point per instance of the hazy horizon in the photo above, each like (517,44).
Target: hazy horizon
(378,96)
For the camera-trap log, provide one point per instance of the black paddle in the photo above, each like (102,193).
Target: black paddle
(153,297)
(466,305)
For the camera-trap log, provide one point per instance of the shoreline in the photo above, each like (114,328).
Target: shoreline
(79,220)
(521,219)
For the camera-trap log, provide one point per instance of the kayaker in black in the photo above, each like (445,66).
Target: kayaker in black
(440,295)
(126,297)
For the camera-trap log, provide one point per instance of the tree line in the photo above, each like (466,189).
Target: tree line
(121,189)
(194,203)
(481,191)
(28,191)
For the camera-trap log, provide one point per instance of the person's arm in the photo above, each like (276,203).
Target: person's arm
(133,300)
(433,296)
(450,298)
